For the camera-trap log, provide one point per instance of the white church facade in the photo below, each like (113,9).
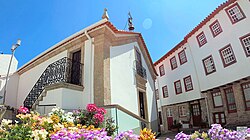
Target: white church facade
(99,64)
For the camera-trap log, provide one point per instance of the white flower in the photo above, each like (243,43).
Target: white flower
(6,122)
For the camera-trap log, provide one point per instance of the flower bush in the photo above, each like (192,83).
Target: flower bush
(216,132)
(86,124)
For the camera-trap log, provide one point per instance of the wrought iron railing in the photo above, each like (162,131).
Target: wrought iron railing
(140,70)
(61,71)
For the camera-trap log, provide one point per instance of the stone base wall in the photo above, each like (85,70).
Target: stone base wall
(187,119)
(241,116)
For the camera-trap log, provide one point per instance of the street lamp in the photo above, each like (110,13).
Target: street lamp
(13,48)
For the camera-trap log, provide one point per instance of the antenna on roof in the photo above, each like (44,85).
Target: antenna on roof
(130,23)
(105,14)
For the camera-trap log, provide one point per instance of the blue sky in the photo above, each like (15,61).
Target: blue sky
(41,24)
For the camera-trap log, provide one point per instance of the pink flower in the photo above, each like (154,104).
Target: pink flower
(23,109)
(101,111)
(99,117)
(91,108)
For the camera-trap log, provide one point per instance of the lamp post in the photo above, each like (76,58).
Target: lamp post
(13,48)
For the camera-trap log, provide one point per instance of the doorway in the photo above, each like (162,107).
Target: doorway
(196,114)
(75,68)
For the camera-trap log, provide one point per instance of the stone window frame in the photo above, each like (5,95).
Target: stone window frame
(165,91)
(157,94)
(201,41)
(227,91)
(175,84)
(182,111)
(215,28)
(247,36)
(226,56)
(217,93)
(173,65)
(245,86)
(205,66)
(239,10)
(186,84)
(182,57)
(162,70)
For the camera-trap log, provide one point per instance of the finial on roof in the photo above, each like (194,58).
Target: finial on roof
(105,14)
(130,23)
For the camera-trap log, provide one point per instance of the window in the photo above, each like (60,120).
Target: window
(215,28)
(235,13)
(182,111)
(165,91)
(208,64)
(177,86)
(246,90)
(169,112)
(231,105)
(182,57)
(217,99)
(157,94)
(160,117)
(188,83)
(227,55)
(219,118)
(245,41)
(161,69)
(201,38)
(173,63)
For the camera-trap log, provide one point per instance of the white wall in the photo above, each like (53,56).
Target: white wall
(4,64)
(30,77)
(88,73)
(178,73)
(64,98)
(123,82)
(230,35)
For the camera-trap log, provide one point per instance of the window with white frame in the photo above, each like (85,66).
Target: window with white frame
(201,38)
(188,83)
(246,90)
(165,91)
(227,55)
(182,57)
(235,13)
(231,105)
(157,94)
(177,85)
(182,111)
(208,64)
(173,63)
(217,99)
(245,41)
(161,69)
(215,28)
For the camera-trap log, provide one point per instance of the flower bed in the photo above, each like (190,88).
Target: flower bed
(86,124)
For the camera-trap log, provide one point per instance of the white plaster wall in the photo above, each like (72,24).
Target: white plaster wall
(64,98)
(230,35)
(123,88)
(30,77)
(88,73)
(123,84)
(179,73)
(4,64)
(11,91)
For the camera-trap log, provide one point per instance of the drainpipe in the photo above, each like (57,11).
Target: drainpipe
(208,115)
(91,63)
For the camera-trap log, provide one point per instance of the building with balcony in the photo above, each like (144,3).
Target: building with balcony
(99,64)
(209,67)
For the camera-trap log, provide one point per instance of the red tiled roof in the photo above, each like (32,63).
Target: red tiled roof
(202,23)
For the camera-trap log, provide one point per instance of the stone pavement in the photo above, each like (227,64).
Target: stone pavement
(170,135)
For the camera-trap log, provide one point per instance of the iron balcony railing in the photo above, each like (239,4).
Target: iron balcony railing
(140,70)
(61,71)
